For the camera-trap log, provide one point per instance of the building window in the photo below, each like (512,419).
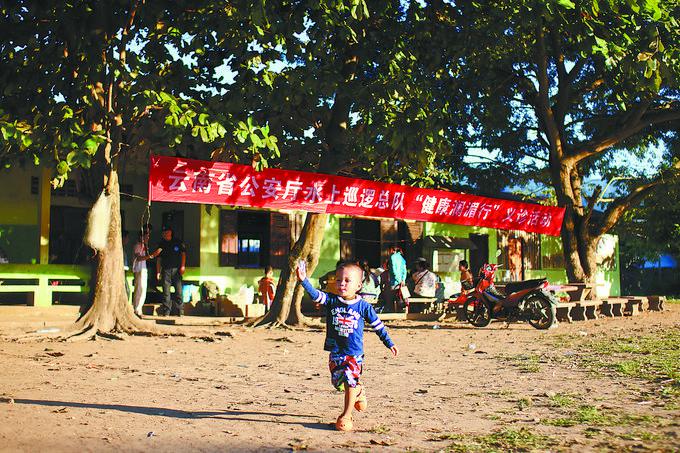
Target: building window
(249,253)
(67,228)
(254,238)
(69,189)
(35,185)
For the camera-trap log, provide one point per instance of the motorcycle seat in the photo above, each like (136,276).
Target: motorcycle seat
(514,287)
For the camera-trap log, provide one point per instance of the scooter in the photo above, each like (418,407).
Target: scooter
(528,300)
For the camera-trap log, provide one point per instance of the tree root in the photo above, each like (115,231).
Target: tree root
(111,335)
(87,334)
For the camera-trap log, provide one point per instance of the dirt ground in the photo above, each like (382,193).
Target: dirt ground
(237,389)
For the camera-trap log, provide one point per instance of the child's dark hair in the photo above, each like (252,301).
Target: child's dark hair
(349,264)
(367,270)
(267,269)
(463,263)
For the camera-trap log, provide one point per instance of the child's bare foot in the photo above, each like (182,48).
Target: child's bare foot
(361,402)
(344,423)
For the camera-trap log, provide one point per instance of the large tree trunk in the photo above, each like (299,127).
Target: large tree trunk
(110,310)
(286,307)
(579,247)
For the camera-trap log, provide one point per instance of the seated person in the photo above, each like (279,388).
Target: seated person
(424,281)
(466,280)
(440,290)
(370,288)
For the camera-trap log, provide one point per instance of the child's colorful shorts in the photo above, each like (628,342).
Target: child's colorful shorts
(345,370)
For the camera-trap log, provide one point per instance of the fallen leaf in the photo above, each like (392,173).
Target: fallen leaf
(384,443)
(283,339)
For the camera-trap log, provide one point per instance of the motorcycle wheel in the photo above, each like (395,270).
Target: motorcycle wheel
(541,313)
(477,313)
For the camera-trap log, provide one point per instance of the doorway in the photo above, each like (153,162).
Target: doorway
(67,228)
(367,241)
(480,255)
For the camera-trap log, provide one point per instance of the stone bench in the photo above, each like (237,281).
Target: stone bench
(425,302)
(585,310)
(39,290)
(633,306)
(612,307)
(656,303)
(563,311)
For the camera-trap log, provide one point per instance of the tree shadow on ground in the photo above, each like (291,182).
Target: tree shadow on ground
(174,413)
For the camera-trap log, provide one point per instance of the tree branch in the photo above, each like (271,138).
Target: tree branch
(591,201)
(635,123)
(618,207)
(564,87)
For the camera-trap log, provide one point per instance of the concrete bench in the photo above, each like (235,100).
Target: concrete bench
(633,306)
(38,283)
(563,311)
(612,307)
(656,303)
(425,302)
(585,310)
(581,292)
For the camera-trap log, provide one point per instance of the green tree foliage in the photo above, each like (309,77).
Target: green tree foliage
(566,92)
(350,88)
(652,228)
(86,85)
(82,74)
(339,87)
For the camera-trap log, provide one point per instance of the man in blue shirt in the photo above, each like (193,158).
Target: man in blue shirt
(346,314)
(396,267)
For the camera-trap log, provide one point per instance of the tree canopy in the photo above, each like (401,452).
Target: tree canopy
(484,94)
(565,94)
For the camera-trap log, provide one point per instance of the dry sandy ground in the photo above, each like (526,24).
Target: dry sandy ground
(232,389)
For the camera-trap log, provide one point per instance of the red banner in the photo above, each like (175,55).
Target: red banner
(196,181)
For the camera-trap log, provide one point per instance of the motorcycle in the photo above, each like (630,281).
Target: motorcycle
(528,300)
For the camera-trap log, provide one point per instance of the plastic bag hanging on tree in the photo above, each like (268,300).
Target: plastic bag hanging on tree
(98,222)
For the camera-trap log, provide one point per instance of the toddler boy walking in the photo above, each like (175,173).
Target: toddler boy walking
(346,313)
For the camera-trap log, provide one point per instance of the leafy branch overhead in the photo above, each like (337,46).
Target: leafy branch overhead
(571,92)
(104,81)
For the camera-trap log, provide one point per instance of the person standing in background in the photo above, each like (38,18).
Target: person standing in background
(396,266)
(267,287)
(169,270)
(125,236)
(140,271)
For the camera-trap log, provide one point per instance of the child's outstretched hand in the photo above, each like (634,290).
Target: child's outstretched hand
(301,270)
(395,350)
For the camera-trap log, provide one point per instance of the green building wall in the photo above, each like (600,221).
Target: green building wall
(20,236)
(19,223)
